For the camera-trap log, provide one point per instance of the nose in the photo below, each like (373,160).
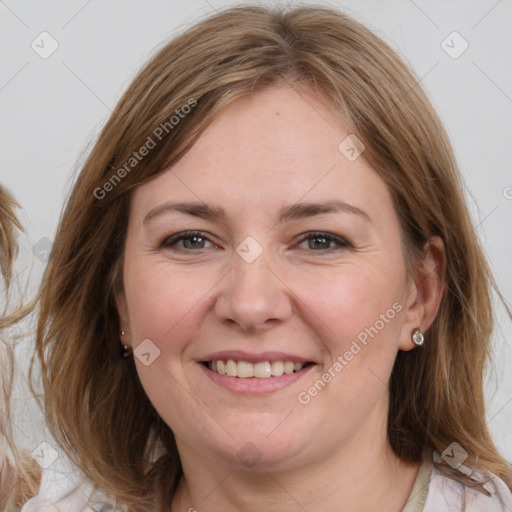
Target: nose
(254,297)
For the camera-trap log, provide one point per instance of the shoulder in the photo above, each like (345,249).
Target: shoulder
(449,495)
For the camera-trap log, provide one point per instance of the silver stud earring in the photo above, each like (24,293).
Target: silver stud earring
(417,336)
(127,349)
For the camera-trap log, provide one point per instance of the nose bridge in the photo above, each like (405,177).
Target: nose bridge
(253,296)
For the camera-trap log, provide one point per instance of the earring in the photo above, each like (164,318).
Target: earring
(417,336)
(127,349)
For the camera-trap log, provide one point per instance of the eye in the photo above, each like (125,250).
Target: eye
(320,241)
(317,241)
(189,239)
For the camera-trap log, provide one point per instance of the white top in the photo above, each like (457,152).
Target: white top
(432,492)
(62,490)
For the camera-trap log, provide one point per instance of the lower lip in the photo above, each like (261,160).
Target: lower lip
(253,385)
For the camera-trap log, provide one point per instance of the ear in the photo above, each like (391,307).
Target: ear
(124,319)
(425,291)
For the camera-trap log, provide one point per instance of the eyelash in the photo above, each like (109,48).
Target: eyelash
(172,240)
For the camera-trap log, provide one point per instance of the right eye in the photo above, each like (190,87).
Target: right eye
(191,240)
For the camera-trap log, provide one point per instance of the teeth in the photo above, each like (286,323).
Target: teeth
(244,369)
(263,370)
(289,367)
(277,368)
(231,368)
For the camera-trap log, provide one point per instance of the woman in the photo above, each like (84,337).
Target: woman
(266,276)
(18,478)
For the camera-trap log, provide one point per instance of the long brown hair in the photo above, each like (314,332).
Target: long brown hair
(19,476)
(95,404)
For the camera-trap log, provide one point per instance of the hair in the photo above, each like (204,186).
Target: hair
(8,247)
(95,404)
(19,477)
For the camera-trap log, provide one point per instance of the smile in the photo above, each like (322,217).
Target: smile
(260,370)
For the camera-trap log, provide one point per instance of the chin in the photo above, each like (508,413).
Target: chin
(261,446)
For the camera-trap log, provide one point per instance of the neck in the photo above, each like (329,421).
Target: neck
(356,478)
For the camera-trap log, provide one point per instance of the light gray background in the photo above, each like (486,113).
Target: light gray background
(50,109)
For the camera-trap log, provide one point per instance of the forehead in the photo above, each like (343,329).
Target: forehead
(274,132)
(277,146)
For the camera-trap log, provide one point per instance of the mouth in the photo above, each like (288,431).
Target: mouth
(249,373)
(259,378)
(261,370)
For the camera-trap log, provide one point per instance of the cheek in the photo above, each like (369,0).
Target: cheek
(353,298)
(160,301)
(360,310)
(165,307)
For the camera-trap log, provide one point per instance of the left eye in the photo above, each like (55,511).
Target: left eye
(322,241)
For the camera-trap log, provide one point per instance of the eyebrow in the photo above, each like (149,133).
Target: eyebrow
(286,213)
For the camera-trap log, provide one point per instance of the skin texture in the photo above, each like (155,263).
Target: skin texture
(310,298)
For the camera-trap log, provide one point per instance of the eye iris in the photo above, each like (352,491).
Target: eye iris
(196,241)
(324,242)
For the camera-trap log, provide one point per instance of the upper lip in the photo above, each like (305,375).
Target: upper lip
(240,355)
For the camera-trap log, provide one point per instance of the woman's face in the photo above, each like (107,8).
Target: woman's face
(295,257)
